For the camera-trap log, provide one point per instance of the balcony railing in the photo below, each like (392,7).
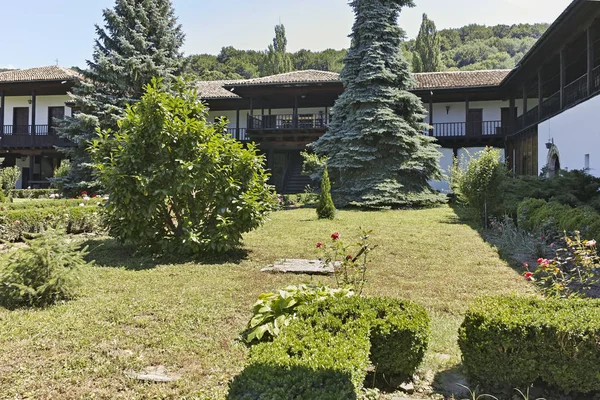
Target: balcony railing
(551,105)
(288,122)
(26,136)
(239,134)
(575,91)
(468,129)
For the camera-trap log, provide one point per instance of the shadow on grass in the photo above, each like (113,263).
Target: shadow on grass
(262,381)
(112,253)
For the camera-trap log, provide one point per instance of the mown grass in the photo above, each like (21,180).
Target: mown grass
(135,312)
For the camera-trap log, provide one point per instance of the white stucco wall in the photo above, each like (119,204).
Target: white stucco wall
(575,132)
(42,104)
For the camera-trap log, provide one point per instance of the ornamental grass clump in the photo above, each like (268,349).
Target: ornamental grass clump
(177,183)
(44,272)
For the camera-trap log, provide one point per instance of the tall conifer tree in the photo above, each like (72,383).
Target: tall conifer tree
(428,53)
(377,153)
(277,60)
(140,40)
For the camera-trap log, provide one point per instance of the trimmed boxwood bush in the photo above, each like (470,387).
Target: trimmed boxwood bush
(324,352)
(22,205)
(16,224)
(515,341)
(32,193)
(536,215)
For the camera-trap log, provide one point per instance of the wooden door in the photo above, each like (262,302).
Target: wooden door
(54,114)
(21,120)
(475,122)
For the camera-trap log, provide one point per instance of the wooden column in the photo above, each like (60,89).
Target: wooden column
(251,107)
(237,124)
(540,94)
(431,114)
(2,110)
(31,165)
(295,113)
(511,115)
(562,78)
(466,116)
(33,111)
(524,103)
(590,59)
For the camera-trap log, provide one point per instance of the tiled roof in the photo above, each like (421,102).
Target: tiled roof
(215,90)
(306,76)
(459,79)
(424,81)
(41,74)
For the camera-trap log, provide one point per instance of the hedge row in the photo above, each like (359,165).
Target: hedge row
(537,215)
(325,352)
(32,193)
(16,224)
(49,203)
(514,341)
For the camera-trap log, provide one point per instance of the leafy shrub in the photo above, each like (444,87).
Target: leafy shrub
(350,262)
(42,273)
(513,341)
(176,182)
(273,311)
(478,181)
(32,193)
(325,208)
(9,177)
(60,174)
(572,272)
(18,224)
(324,353)
(552,218)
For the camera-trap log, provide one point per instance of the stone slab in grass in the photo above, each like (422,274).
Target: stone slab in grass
(153,374)
(300,266)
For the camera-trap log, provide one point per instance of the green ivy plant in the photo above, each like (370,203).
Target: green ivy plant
(274,311)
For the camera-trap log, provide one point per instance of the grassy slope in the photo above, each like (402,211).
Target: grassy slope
(187,316)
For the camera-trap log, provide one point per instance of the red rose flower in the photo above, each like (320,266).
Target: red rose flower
(335,235)
(540,260)
(528,275)
(349,258)
(84,193)
(543,237)
(526,265)
(319,245)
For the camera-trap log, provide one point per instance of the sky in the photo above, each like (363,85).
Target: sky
(36,33)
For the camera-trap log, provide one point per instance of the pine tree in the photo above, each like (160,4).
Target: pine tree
(377,152)
(325,208)
(140,40)
(428,53)
(277,60)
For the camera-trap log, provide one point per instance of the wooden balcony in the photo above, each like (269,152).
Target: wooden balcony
(288,122)
(30,137)
(470,132)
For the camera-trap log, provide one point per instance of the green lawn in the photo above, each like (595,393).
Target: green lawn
(132,314)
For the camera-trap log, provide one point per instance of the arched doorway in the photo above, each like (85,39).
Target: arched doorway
(553,161)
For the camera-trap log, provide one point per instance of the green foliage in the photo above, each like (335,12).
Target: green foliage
(50,203)
(139,41)
(32,193)
(513,341)
(350,262)
(325,352)
(478,181)
(427,56)
(572,272)
(44,272)
(18,224)
(552,219)
(60,174)
(376,152)
(325,208)
(176,182)
(274,311)
(313,165)
(9,177)
(277,60)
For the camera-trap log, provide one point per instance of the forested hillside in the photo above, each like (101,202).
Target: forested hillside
(471,47)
